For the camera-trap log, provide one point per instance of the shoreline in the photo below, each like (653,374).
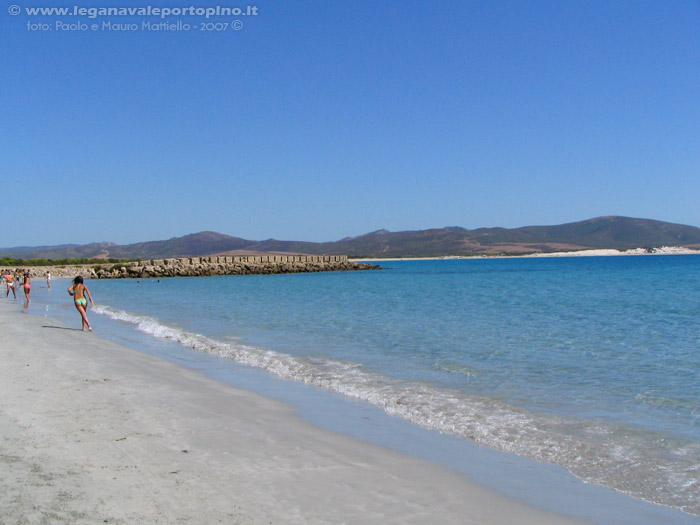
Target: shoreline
(88,270)
(517,479)
(665,250)
(95,431)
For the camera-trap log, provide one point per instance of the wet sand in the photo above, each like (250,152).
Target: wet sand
(94,432)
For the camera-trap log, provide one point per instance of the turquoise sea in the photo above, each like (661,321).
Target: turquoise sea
(589,363)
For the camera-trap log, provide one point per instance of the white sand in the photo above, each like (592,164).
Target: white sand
(93,432)
(664,250)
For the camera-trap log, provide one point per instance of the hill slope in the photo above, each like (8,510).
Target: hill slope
(601,232)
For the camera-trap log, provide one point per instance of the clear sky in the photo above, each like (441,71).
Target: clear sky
(318,120)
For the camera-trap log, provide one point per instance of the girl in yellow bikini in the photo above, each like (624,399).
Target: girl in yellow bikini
(78,290)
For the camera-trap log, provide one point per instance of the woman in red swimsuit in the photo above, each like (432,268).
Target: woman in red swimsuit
(27,285)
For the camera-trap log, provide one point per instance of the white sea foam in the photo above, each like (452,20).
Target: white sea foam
(640,463)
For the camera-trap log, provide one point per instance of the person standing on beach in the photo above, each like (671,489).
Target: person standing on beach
(10,281)
(27,285)
(48,280)
(78,290)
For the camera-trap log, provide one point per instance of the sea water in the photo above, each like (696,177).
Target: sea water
(589,363)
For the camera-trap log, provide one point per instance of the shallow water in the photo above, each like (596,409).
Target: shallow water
(588,363)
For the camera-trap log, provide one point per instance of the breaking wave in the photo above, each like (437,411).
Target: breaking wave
(641,463)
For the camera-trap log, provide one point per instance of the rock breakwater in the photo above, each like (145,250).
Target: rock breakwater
(206,266)
(240,265)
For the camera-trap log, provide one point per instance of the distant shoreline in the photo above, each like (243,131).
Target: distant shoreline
(87,270)
(605,252)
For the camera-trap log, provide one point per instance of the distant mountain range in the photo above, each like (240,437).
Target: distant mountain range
(602,232)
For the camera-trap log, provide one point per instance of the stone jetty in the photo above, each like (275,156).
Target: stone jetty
(212,265)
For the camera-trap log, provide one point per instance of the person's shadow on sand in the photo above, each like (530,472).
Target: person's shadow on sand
(61,328)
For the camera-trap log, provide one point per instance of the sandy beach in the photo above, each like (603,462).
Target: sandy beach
(94,432)
(664,250)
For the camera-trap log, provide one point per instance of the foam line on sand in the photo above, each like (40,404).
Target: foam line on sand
(94,432)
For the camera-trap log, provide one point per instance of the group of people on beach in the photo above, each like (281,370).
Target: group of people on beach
(13,278)
(77,290)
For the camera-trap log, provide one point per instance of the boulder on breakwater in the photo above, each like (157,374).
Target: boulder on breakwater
(220,265)
(205,266)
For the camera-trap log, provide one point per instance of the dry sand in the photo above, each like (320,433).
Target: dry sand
(93,432)
(664,250)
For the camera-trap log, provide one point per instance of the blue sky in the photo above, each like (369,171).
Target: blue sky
(324,119)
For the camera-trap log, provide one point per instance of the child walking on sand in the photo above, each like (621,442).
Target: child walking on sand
(78,290)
